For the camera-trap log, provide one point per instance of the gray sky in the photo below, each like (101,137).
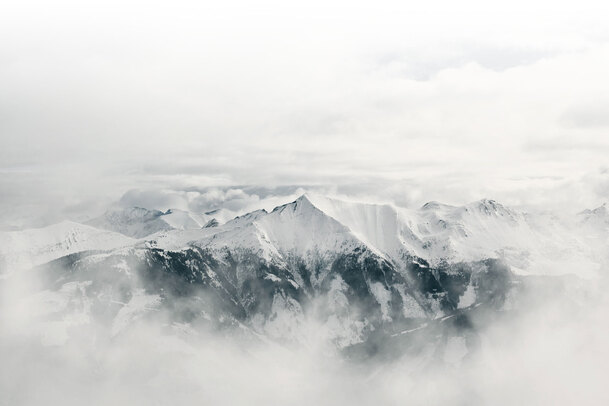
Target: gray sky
(379,100)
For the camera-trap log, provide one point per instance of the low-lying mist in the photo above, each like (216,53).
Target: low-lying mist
(550,349)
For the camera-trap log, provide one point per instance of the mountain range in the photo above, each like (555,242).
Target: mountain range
(364,275)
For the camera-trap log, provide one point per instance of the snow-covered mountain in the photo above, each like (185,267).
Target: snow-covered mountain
(532,244)
(362,272)
(138,222)
(27,248)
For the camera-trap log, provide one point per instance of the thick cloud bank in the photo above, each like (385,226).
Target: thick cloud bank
(441,101)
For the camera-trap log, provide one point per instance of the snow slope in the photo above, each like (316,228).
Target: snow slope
(139,222)
(532,244)
(294,229)
(314,226)
(27,248)
(254,265)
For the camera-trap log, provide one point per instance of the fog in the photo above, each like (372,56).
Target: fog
(551,350)
(435,101)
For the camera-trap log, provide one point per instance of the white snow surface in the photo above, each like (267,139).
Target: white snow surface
(27,248)
(316,226)
(534,244)
(138,222)
(298,228)
(313,225)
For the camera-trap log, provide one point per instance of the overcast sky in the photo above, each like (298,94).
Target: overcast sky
(450,101)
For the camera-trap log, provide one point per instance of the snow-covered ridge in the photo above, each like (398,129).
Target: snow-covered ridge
(532,244)
(298,228)
(319,225)
(367,267)
(138,222)
(27,248)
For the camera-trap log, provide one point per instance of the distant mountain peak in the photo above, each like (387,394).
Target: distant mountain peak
(253,214)
(302,203)
(489,207)
(600,210)
(597,218)
(135,212)
(435,205)
(139,222)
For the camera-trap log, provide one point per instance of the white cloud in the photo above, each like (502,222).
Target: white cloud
(451,100)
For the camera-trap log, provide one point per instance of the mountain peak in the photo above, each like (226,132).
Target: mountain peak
(136,222)
(132,212)
(431,205)
(601,210)
(302,203)
(487,206)
(488,202)
(435,205)
(304,198)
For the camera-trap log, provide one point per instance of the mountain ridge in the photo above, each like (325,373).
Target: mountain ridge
(362,272)
(435,232)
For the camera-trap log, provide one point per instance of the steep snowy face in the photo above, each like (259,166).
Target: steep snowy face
(294,229)
(445,227)
(315,225)
(380,227)
(532,244)
(300,227)
(476,230)
(27,248)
